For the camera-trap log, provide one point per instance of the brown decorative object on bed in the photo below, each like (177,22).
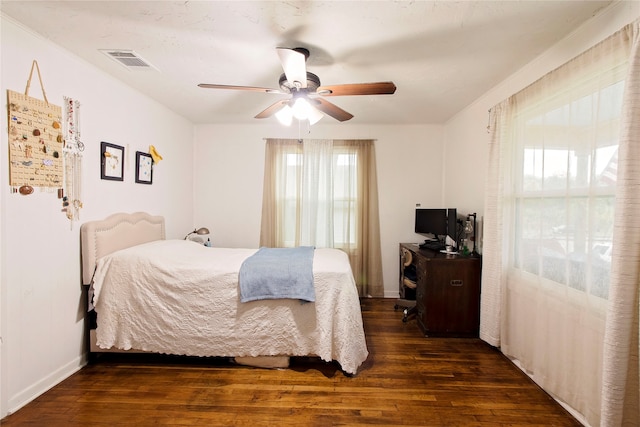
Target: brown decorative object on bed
(186,296)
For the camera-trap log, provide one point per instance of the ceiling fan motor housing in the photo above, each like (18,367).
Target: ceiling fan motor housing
(303,51)
(313,83)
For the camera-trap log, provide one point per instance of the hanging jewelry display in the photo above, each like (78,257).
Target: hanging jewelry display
(71,193)
(35,141)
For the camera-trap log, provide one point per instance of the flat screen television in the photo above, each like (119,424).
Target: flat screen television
(438,223)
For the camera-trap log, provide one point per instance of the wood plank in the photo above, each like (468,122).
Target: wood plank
(407,380)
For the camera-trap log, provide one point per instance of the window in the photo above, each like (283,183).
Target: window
(323,193)
(564,181)
(321,209)
(345,187)
(560,265)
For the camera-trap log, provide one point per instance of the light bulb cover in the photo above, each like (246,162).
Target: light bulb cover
(301,109)
(285,116)
(314,115)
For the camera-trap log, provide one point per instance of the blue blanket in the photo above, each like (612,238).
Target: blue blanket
(273,273)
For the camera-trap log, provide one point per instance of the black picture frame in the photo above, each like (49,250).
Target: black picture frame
(144,168)
(111,161)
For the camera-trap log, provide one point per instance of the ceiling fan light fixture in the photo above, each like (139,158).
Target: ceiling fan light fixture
(285,116)
(314,115)
(306,102)
(301,109)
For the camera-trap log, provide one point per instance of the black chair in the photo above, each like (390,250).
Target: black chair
(408,280)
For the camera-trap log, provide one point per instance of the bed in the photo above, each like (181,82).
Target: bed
(182,298)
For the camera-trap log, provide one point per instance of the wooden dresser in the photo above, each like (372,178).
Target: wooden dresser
(447,291)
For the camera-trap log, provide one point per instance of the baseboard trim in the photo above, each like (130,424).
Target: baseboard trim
(33,391)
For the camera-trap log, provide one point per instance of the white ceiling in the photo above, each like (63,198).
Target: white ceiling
(441,55)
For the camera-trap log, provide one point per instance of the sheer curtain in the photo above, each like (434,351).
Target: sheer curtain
(324,193)
(621,391)
(561,239)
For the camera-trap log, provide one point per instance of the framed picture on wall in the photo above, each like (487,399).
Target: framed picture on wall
(111,161)
(144,171)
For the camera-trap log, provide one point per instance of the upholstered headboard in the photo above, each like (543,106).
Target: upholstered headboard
(118,231)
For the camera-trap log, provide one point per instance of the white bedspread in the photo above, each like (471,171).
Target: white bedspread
(178,297)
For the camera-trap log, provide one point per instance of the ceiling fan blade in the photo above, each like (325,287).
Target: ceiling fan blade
(331,109)
(293,64)
(249,88)
(272,109)
(378,88)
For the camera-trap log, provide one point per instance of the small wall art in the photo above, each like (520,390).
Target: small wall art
(144,171)
(111,161)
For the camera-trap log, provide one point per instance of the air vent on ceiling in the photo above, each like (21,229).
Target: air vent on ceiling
(128,58)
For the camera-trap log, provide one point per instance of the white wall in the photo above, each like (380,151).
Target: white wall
(229,168)
(42,304)
(41,318)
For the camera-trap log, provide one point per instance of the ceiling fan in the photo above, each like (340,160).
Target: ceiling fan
(307,94)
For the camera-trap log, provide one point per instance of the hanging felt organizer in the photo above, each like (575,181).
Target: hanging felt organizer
(35,141)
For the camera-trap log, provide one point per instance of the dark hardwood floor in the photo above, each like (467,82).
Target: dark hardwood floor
(408,380)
